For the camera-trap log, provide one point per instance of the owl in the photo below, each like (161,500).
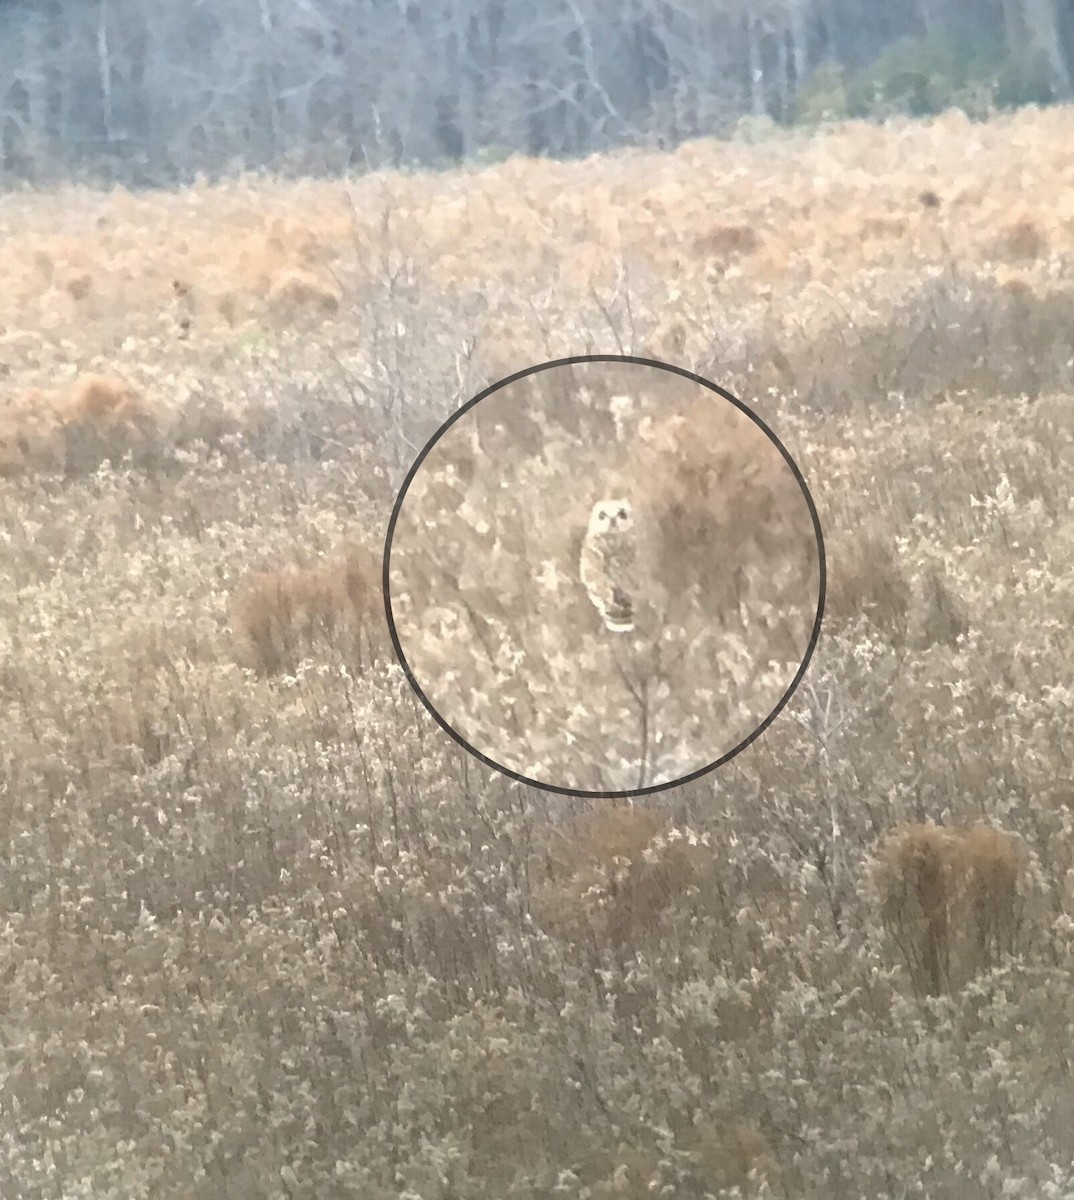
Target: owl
(607,565)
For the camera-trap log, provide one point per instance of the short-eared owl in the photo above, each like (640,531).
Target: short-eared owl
(608,563)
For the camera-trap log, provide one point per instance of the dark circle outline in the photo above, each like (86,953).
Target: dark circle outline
(653,789)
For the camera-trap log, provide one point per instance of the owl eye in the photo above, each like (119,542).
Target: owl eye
(622,514)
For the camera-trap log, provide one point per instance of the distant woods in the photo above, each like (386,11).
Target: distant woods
(149,92)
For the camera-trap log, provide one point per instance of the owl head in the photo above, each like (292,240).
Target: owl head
(608,515)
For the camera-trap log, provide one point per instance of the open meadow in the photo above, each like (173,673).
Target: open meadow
(266,931)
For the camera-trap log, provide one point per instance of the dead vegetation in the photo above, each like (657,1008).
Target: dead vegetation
(714,481)
(280,615)
(99,417)
(725,243)
(865,579)
(272,929)
(950,898)
(1022,239)
(612,875)
(295,290)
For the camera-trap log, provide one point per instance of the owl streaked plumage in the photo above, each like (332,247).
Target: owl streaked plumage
(607,563)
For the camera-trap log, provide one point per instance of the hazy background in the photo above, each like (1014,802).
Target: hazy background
(149,92)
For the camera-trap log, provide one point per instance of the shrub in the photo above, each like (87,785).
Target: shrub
(924,76)
(280,615)
(1021,238)
(823,96)
(949,898)
(101,417)
(727,242)
(865,579)
(727,505)
(296,289)
(613,873)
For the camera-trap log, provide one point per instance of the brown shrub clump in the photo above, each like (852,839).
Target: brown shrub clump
(79,286)
(881,226)
(949,897)
(280,615)
(102,416)
(991,867)
(103,399)
(1022,238)
(614,874)
(295,289)
(728,242)
(726,502)
(29,434)
(1016,286)
(865,579)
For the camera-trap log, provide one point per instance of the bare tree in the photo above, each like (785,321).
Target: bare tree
(152,91)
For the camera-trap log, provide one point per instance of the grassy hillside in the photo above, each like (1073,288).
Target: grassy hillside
(268,932)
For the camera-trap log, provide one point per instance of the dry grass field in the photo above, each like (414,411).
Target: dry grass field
(268,932)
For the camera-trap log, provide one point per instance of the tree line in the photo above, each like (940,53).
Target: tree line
(148,92)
